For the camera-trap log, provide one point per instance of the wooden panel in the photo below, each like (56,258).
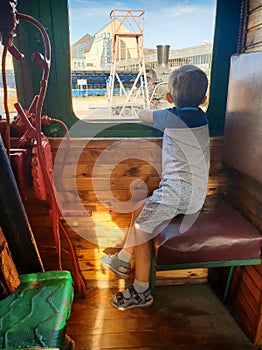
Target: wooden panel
(253,4)
(125,162)
(254,18)
(254,38)
(255,48)
(245,298)
(132,167)
(253,30)
(254,27)
(246,194)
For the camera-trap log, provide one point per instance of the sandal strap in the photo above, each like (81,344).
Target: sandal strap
(134,299)
(134,294)
(117,263)
(120,298)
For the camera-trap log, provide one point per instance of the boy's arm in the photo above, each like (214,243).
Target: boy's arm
(146,116)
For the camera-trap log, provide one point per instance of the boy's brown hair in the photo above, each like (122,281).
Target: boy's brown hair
(187,86)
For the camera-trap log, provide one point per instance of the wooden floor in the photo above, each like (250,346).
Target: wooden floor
(182,317)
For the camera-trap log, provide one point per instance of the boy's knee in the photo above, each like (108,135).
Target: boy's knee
(142,237)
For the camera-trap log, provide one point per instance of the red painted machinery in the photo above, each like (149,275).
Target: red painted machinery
(33,145)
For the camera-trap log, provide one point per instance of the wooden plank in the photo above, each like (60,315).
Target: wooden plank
(251,293)
(95,265)
(255,275)
(245,323)
(110,183)
(251,285)
(245,313)
(87,195)
(99,237)
(256,48)
(105,224)
(130,167)
(216,141)
(254,37)
(244,286)
(190,273)
(254,18)
(111,157)
(94,143)
(77,143)
(253,4)
(117,185)
(105,277)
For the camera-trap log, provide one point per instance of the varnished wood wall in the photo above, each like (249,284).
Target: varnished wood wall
(253,30)
(119,163)
(246,293)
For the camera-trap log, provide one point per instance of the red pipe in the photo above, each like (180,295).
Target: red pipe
(44,63)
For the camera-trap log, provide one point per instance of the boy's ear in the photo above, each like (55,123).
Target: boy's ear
(204,100)
(169,98)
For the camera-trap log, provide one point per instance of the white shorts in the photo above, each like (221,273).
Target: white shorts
(157,214)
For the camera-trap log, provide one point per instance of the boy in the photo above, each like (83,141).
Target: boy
(182,190)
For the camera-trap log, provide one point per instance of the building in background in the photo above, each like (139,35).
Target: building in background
(95,52)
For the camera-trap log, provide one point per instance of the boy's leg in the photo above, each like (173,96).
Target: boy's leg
(130,240)
(142,262)
(119,263)
(139,294)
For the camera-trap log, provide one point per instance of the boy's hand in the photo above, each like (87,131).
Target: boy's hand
(146,116)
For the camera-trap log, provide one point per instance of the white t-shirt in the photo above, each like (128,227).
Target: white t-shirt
(185,153)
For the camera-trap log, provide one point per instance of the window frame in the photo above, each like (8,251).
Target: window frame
(58,102)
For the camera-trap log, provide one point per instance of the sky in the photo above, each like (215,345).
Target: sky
(177,23)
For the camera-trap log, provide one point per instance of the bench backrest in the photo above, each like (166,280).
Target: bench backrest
(243,124)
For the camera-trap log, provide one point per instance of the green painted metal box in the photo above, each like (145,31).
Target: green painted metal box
(35,314)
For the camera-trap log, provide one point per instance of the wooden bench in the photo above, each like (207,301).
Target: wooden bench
(219,237)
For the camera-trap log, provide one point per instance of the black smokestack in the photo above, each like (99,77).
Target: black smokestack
(162,55)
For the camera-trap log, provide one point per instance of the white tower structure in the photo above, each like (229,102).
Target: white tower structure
(127,25)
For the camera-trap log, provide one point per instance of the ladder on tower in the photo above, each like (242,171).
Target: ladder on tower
(127,42)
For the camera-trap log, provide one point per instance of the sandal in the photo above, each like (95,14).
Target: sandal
(135,299)
(119,267)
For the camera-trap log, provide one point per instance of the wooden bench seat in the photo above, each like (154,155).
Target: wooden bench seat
(220,236)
